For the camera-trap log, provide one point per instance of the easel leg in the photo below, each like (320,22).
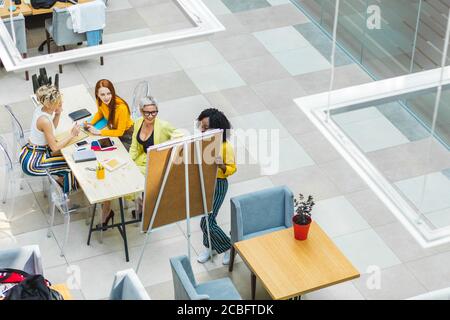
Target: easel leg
(122,217)
(92,224)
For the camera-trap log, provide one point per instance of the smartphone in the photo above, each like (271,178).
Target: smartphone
(81,143)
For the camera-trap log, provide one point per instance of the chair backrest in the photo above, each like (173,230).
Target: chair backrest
(127,286)
(141,90)
(262,210)
(183,280)
(26,258)
(62,32)
(6,157)
(19,30)
(58,197)
(18,133)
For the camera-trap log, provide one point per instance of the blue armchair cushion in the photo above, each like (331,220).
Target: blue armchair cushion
(221,289)
(260,212)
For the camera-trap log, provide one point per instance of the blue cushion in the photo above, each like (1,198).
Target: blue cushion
(260,233)
(221,289)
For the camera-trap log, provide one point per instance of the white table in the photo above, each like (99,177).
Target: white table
(123,181)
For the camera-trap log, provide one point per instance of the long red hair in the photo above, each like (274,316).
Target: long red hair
(104,83)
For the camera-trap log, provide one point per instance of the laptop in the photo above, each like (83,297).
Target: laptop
(84,155)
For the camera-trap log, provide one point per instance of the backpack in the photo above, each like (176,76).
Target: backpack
(20,285)
(43,4)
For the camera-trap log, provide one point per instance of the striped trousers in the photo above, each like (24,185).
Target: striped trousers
(219,240)
(35,160)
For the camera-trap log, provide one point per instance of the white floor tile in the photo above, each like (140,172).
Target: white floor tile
(302,61)
(365,249)
(215,78)
(196,55)
(338,217)
(281,39)
(435,196)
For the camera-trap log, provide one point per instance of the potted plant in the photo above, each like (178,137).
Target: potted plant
(302,217)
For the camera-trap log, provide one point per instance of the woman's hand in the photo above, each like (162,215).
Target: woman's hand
(87,125)
(220,164)
(58,110)
(75,130)
(94,131)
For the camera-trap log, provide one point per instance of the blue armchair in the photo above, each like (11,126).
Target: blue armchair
(127,286)
(257,213)
(186,288)
(21,36)
(26,258)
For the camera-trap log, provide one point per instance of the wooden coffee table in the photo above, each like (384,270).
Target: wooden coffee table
(289,268)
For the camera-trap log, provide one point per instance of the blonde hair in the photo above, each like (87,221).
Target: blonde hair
(48,94)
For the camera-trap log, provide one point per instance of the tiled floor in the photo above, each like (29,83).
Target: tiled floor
(252,73)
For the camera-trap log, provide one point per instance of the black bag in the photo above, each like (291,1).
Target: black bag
(43,4)
(34,287)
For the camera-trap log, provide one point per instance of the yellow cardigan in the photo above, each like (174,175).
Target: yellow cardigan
(227,154)
(162,132)
(122,121)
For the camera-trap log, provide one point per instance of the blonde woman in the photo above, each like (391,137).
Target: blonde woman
(148,131)
(37,155)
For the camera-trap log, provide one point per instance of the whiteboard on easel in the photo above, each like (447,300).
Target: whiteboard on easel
(165,188)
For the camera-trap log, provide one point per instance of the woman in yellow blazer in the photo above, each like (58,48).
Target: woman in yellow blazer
(148,131)
(220,243)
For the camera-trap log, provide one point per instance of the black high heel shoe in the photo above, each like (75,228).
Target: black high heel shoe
(104,225)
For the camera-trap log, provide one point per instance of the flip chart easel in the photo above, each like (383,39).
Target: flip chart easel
(180,183)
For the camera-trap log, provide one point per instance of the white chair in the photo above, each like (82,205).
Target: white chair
(20,137)
(141,90)
(59,200)
(26,258)
(127,286)
(8,168)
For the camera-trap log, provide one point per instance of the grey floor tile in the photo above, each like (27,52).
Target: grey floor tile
(294,120)
(161,14)
(403,243)
(217,7)
(241,100)
(271,17)
(317,146)
(259,69)
(433,271)
(124,20)
(396,283)
(278,94)
(238,5)
(371,208)
(248,46)
(232,26)
(342,291)
(409,160)
(343,176)
(164,87)
(309,180)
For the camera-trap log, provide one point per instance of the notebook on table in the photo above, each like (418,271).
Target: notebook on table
(84,155)
(79,114)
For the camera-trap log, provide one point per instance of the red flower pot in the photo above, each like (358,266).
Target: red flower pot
(301,230)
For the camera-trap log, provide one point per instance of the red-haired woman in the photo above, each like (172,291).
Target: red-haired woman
(116,111)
